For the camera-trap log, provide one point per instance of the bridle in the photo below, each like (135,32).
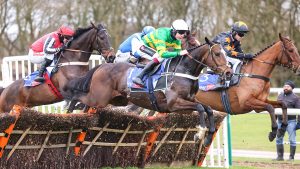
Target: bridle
(98,48)
(211,53)
(283,52)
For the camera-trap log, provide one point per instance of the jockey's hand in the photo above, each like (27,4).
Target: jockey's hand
(62,48)
(183,52)
(248,56)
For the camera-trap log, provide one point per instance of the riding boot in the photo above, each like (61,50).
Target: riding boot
(280,151)
(292,153)
(44,65)
(138,79)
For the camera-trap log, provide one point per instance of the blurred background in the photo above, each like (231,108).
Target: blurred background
(24,21)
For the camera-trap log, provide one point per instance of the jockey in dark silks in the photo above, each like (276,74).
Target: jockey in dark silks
(231,43)
(44,49)
(157,43)
(129,50)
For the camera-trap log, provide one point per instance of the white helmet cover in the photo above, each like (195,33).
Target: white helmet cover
(180,24)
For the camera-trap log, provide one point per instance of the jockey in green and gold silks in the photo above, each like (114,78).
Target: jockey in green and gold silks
(161,39)
(157,42)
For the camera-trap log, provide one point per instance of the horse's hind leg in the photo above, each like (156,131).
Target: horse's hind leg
(212,128)
(72,106)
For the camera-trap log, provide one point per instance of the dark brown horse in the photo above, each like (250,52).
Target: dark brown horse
(73,62)
(109,84)
(253,90)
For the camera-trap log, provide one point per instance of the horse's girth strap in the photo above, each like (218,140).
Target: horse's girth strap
(52,87)
(180,75)
(73,64)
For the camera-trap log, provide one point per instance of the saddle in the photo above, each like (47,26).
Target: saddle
(211,81)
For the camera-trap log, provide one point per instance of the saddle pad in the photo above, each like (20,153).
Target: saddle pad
(29,80)
(208,82)
(135,71)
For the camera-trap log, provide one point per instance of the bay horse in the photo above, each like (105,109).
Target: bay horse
(108,84)
(72,63)
(254,87)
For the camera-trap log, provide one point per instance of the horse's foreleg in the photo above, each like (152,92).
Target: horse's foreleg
(274,125)
(176,104)
(212,128)
(258,106)
(279,104)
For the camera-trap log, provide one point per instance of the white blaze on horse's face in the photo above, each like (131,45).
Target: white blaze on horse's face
(226,57)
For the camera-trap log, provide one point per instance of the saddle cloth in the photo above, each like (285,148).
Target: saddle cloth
(155,76)
(29,80)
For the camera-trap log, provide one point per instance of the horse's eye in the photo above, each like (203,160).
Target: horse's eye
(291,50)
(217,54)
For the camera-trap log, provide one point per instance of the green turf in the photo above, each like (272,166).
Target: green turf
(250,132)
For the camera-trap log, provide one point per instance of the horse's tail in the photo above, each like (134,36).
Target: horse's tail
(80,85)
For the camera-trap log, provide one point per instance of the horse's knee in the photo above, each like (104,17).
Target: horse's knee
(200,108)
(270,108)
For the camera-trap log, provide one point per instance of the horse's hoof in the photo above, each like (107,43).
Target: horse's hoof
(272,136)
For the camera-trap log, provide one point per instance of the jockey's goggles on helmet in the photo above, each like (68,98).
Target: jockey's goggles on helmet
(181,32)
(67,37)
(241,34)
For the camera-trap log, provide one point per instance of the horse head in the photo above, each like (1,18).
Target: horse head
(85,40)
(211,55)
(289,56)
(102,43)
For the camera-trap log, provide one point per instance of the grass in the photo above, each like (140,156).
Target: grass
(250,132)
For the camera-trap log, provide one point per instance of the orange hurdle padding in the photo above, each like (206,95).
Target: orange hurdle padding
(4,139)
(152,136)
(79,141)
(92,110)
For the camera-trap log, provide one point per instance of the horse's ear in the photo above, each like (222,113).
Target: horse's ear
(208,41)
(280,37)
(93,25)
(194,33)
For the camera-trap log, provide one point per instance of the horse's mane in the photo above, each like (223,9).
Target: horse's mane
(195,47)
(264,49)
(80,31)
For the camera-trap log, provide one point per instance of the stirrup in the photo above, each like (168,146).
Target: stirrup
(138,81)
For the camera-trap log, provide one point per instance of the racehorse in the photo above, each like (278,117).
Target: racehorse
(253,90)
(73,62)
(189,41)
(108,84)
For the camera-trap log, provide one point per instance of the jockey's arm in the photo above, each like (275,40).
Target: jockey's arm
(232,53)
(164,53)
(48,46)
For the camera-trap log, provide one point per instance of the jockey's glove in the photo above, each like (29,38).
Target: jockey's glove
(297,126)
(248,56)
(62,48)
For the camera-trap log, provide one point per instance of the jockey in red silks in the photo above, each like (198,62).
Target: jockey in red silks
(44,49)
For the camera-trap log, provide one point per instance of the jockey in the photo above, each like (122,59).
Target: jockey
(157,42)
(129,49)
(44,49)
(231,43)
